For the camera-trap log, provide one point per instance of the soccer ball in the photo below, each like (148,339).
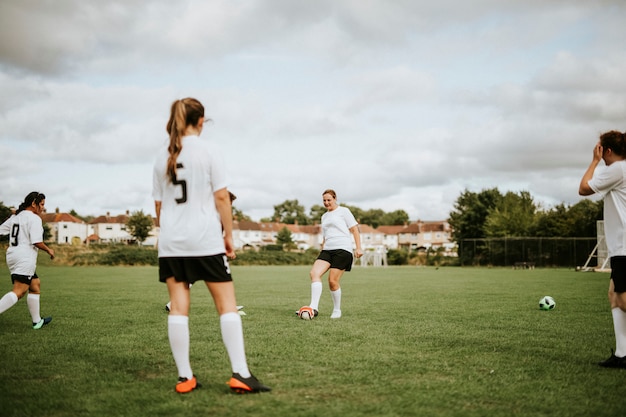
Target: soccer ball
(547,303)
(306,313)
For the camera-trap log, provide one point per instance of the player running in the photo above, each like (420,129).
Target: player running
(25,230)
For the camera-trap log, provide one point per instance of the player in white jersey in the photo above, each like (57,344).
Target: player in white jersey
(610,181)
(194,212)
(339,227)
(25,230)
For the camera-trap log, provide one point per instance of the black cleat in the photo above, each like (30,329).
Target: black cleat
(242,385)
(614,362)
(42,323)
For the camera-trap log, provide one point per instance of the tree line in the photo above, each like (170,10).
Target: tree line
(475,215)
(491,214)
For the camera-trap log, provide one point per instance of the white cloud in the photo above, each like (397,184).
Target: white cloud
(396,105)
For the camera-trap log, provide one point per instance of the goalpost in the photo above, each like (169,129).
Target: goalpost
(600,252)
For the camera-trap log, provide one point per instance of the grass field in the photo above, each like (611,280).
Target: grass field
(412,342)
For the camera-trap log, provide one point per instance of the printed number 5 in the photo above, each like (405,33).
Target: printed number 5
(183,185)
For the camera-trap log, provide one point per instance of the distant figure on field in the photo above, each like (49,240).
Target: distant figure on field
(339,227)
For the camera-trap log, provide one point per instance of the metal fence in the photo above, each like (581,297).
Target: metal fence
(532,251)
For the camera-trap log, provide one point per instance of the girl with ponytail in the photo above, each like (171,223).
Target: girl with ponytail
(25,230)
(194,213)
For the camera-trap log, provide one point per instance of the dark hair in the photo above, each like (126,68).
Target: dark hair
(32,197)
(185,112)
(614,140)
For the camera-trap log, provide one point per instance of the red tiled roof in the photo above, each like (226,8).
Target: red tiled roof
(122,218)
(60,217)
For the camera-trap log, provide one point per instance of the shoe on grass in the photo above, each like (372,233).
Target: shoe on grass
(242,385)
(614,361)
(336,314)
(42,323)
(186,385)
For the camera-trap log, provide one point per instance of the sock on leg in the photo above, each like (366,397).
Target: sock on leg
(336,296)
(178,333)
(619,325)
(232,335)
(316,294)
(33,307)
(7,301)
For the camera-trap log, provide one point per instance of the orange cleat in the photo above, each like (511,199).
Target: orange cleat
(186,385)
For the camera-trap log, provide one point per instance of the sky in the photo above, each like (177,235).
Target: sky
(394,104)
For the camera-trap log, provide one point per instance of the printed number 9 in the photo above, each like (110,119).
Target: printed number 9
(15,231)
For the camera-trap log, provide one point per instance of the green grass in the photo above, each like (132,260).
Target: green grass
(412,342)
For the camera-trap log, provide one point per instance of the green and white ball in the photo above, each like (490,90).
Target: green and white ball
(547,303)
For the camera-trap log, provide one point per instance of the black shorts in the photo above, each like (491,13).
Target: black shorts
(24,279)
(618,273)
(337,258)
(213,268)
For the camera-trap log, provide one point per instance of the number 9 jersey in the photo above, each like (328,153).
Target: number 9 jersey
(24,230)
(190,224)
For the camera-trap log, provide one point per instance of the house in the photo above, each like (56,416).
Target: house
(108,229)
(65,228)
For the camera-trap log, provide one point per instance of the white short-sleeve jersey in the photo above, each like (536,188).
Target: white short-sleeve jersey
(24,230)
(189,221)
(610,181)
(336,226)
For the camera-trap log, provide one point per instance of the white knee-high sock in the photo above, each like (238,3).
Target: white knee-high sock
(619,325)
(336,296)
(316,294)
(232,335)
(178,333)
(7,301)
(33,306)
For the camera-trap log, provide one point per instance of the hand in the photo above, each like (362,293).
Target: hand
(598,152)
(358,253)
(51,253)
(230,248)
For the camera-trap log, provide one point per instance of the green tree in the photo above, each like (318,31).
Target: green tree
(395,218)
(5,213)
(372,217)
(553,222)
(139,225)
(285,239)
(582,218)
(239,215)
(316,213)
(290,212)
(470,213)
(513,215)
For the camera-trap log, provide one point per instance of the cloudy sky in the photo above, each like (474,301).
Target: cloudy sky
(396,104)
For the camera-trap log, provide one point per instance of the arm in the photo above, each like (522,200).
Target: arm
(224,208)
(584,189)
(357,239)
(45,248)
(157,210)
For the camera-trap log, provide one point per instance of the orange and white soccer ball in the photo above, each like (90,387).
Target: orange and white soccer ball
(306,313)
